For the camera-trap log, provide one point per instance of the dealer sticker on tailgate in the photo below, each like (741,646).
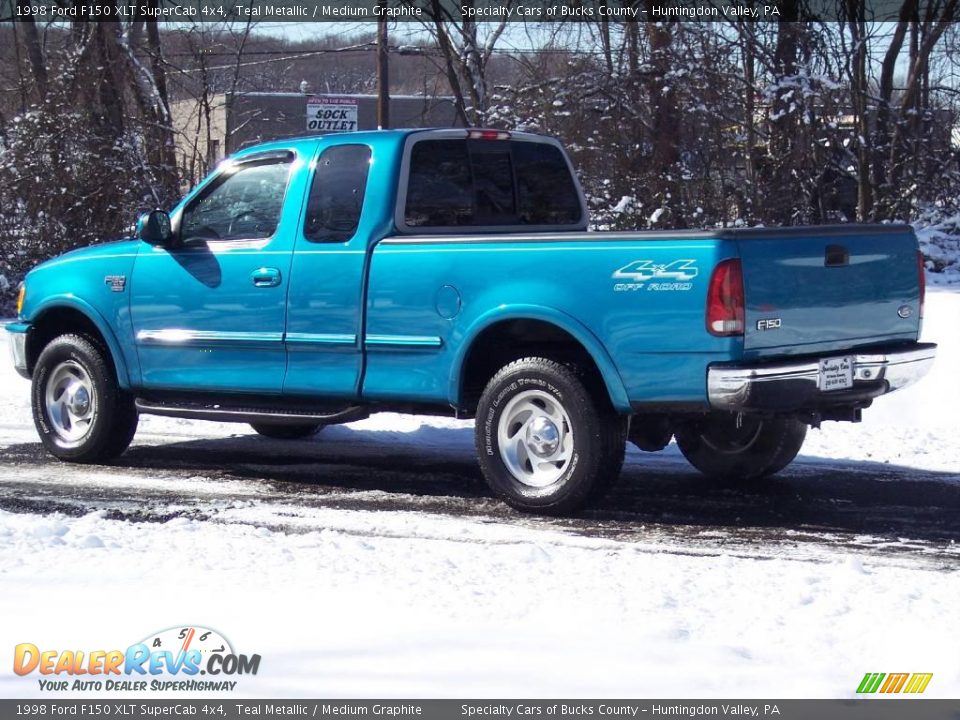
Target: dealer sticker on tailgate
(836,374)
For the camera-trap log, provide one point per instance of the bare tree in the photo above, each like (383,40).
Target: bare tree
(466,48)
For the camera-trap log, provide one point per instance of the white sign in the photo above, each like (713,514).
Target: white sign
(331,114)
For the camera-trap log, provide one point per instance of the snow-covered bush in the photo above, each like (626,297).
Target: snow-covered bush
(938,229)
(64,183)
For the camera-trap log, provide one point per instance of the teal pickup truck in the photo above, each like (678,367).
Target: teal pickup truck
(314,281)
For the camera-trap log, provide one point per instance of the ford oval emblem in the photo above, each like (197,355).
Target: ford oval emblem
(905,311)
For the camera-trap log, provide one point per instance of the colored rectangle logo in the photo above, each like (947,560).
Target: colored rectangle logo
(894,683)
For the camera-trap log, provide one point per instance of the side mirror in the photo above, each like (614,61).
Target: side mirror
(154,228)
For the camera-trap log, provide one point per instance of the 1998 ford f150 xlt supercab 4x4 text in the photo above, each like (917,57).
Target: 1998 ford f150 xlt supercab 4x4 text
(314,281)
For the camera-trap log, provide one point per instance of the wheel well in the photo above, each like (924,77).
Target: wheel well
(60,321)
(509,340)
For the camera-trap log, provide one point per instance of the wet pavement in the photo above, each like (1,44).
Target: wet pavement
(660,503)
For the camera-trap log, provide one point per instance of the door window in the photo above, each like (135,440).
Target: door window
(242,204)
(336,195)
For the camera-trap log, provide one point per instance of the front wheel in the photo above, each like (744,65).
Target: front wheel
(725,446)
(544,442)
(81,413)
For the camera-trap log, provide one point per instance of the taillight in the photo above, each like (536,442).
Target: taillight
(725,299)
(477,134)
(20,296)
(922,270)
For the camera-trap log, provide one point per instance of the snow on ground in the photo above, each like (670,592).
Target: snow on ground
(533,614)
(919,426)
(404,604)
(940,243)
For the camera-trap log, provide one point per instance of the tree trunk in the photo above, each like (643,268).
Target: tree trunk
(446,49)
(666,126)
(910,93)
(165,131)
(881,139)
(785,120)
(383,74)
(748,53)
(31,42)
(858,82)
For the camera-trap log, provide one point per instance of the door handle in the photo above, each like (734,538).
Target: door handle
(265,277)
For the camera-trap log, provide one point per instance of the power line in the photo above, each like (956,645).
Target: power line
(403,50)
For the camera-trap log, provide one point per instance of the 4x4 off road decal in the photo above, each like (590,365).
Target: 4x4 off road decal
(649,275)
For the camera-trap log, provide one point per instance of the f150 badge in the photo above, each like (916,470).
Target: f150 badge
(654,276)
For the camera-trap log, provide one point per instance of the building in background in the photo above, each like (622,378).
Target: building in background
(210,129)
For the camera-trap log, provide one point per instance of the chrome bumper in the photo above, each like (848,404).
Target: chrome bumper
(795,385)
(17,335)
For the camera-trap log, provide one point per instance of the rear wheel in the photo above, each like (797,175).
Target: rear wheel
(287,432)
(81,413)
(544,442)
(728,447)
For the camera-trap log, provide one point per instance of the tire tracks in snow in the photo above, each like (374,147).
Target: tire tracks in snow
(815,510)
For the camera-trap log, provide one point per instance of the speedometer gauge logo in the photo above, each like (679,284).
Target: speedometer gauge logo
(184,639)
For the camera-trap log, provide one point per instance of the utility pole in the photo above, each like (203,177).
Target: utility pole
(383,72)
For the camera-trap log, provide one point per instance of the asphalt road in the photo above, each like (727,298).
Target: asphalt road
(903,514)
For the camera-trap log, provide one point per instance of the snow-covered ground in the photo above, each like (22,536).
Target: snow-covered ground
(940,243)
(414,604)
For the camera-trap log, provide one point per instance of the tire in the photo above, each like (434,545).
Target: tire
(545,443)
(759,448)
(287,432)
(790,445)
(81,413)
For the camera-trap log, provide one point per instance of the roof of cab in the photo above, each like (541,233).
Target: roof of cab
(307,143)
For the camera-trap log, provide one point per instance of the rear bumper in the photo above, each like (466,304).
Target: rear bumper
(17,335)
(795,385)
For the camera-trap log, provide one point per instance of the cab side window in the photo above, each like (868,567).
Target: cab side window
(336,194)
(244,203)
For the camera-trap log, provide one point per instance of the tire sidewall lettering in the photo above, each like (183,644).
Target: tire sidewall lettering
(516,386)
(492,418)
(39,390)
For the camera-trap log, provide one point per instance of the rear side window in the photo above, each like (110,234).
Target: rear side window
(336,195)
(456,183)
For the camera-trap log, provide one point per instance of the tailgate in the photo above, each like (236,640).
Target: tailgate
(816,289)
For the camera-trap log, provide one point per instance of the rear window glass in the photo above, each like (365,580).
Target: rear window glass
(439,192)
(456,183)
(545,191)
